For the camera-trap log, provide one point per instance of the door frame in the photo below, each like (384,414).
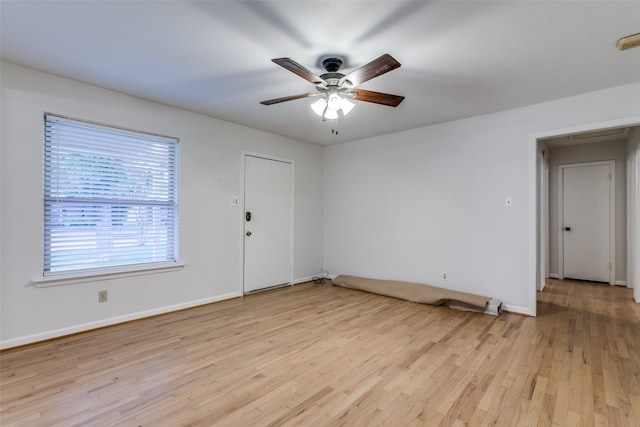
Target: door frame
(633,224)
(636,238)
(535,144)
(612,215)
(631,217)
(244,155)
(543,217)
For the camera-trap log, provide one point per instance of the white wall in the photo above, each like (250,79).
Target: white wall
(210,231)
(415,204)
(613,150)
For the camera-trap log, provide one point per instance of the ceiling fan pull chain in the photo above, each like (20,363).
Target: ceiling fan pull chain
(335,127)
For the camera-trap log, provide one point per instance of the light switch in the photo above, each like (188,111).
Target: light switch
(508,202)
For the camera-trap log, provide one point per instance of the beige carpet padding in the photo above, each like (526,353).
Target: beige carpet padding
(420,293)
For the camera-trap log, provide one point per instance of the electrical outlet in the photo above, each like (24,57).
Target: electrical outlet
(235,201)
(102,296)
(444,276)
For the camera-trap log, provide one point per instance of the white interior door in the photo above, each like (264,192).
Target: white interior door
(587,221)
(268,225)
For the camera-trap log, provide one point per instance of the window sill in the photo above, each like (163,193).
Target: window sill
(107,274)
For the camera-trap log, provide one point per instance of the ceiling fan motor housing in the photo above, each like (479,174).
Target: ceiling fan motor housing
(332,77)
(332,64)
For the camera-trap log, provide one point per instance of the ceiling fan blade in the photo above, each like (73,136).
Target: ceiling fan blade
(377,97)
(284,99)
(375,68)
(298,69)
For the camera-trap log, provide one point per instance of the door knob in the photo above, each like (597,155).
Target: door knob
(567,229)
(248,233)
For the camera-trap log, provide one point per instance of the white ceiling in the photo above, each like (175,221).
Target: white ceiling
(459,59)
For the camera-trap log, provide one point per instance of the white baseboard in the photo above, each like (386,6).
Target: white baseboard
(310,278)
(56,333)
(29,339)
(516,309)
(618,282)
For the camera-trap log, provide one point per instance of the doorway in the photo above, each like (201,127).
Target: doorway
(539,266)
(268,223)
(587,221)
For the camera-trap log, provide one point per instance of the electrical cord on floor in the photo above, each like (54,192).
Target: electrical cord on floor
(320,279)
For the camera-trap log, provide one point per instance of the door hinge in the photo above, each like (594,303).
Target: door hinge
(609,176)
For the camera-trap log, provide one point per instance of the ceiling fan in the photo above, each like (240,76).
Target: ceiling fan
(334,89)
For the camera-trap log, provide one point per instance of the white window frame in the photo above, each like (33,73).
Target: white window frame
(166,202)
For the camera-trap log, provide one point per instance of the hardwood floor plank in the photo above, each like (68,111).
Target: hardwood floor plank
(326,356)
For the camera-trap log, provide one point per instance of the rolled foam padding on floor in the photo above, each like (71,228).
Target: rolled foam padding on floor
(421,293)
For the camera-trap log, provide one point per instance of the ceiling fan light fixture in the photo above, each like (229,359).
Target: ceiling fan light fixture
(331,114)
(347,106)
(333,88)
(328,106)
(334,102)
(319,106)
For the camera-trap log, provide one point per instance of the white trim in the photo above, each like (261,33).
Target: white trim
(310,279)
(56,333)
(516,309)
(241,226)
(97,275)
(533,227)
(265,156)
(612,214)
(292,226)
(612,124)
(636,238)
(618,282)
(546,217)
(630,224)
(291,162)
(543,218)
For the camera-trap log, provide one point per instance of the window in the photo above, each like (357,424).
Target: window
(110,197)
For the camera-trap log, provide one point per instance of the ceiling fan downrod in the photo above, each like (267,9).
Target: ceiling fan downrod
(332,64)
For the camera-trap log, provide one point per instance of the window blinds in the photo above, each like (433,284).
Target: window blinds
(110,197)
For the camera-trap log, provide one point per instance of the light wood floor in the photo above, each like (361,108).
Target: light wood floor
(313,355)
